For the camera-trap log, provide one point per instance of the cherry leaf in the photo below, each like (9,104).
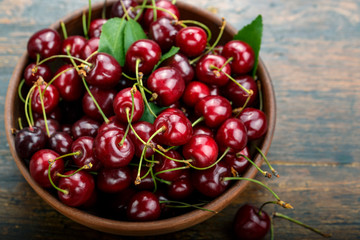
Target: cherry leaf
(147,116)
(132,32)
(167,55)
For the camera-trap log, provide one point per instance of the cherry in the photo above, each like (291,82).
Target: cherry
(32,73)
(90,47)
(181,63)
(242,54)
(210,182)
(207,70)
(168,84)
(166,164)
(123,100)
(191,41)
(53,125)
(95,27)
(105,71)
(232,134)
(202,149)
(237,95)
(255,122)
(201,129)
(144,130)
(54,114)
(178,129)
(113,123)
(68,83)
(117,9)
(79,188)
(214,90)
(114,180)
(147,182)
(163,31)
(240,164)
(85,126)
(51,99)
(74,44)
(181,187)
(61,142)
(109,151)
(148,52)
(85,147)
(39,165)
(214,109)
(104,98)
(46,42)
(29,140)
(250,224)
(165,4)
(195,91)
(144,206)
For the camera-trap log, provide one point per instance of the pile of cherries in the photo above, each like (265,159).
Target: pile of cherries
(87,140)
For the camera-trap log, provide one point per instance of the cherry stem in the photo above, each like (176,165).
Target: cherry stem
(260,95)
(200,119)
(267,162)
(142,7)
(161,9)
(171,169)
(63,28)
(154,10)
(86,166)
(239,110)
(265,173)
(103,12)
(173,2)
(28,111)
(89,17)
(277,214)
(216,162)
(54,78)
(200,24)
(20,123)
(187,161)
(154,179)
(184,205)
(43,110)
(131,116)
(21,84)
(128,77)
(85,29)
(126,14)
(64,56)
(51,162)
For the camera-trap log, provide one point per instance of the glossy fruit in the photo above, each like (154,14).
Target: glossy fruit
(113,123)
(191,41)
(46,42)
(117,9)
(114,180)
(53,125)
(232,134)
(237,95)
(163,31)
(207,72)
(104,98)
(96,26)
(242,54)
(123,100)
(85,147)
(68,83)
(144,206)
(32,72)
(255,122)
(29,140)
(51,99)
(195,91)
(165,165)
(144,130)
(74,44)
(164,4)
(90,47)
(181,63)
(240,164)
(85,126)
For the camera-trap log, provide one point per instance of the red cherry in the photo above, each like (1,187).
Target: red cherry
(75,44)
(117,9)
(85,146)
(242,54)
(46,42)
(181,187)
(53,125)
(201,129)
(41,70)
(113,123)
(206,72)
(112,180)
(163,31)
(29,140)
(232,133)
(165,4)
(51,99)
(123,100)
(255,122)
(182,64)
(95,27)
(202,149)
(69,83)
(85,126)
(168,164)
(147,182)
(144,130)
(90,47)
(191,41)
(237,95)
(195,91)
(240,164)
(104,98)
(144,206)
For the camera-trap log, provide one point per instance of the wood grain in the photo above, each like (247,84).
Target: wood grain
(312,51)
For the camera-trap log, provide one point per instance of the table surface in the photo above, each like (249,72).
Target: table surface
(312,51)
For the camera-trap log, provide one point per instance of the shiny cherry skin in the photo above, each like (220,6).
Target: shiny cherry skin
(168,84)
(237,95)
(250,224)
(39,165)
(178,129)
(123,100)
(255,122)
(85,147)
(144,130)
(117,9)
(165,4)
(214,109)
(113,123)
(191,41)
(195,91)
(182,187)
(80,188)
(105,72)
(149,53)
(75,44)
(46,42)
(68,83)
(53,125)
(202,149)
(202,129)
(54,114)
(210,182)
(32,72)
(144,206)
(112,180)
(61,142)
(215,90)
(240,164)
(90,47)
(29,140)
(166,164)
(104,98)
(232,134)
(109,151)
(242,54)
(85,126)
(163,31)
(95,27)
(182,64)
(206,72)
(51,99)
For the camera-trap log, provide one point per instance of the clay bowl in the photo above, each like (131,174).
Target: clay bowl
(14,109)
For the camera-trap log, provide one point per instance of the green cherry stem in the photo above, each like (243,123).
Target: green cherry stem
(64,56)
(172,169)
(43,110)
(63,29)
(265,173)
(51,162)
(154,10)
(21,84)
(200,119)
(28,111)
(184,205)
(128,77)
(127,110)
(126,14)
(86,166)
(20,123)
(89,17)
(161,9)
(103,12)
(200,24)
(142,7)
(216,162)
(267,162)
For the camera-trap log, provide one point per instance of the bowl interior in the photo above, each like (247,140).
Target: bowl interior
(14,109)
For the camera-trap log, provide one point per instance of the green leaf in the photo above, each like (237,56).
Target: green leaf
(167,55)
(147,116)
(112,39)
(133,32)
(251,34)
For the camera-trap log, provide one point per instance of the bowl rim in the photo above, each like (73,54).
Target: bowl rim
(153,227)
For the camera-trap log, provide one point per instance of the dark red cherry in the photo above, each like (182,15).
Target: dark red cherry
(191,41)
(168,84)
(165,4)
(96,26)
(29,140)
(79,187)
(181,63)
(68,83)
(123,100)
(75,44)
(181,187)
(109,151)
(240,164)
(210,182)
(39,165)
(144,206)
(166,164)
(90,47)
(149,53)
(214,90)
(53,125)
(60,142)
(242,54)
(201,129)
(206,72)
(54,114)
(144,130)
(232,133)
(51,99)
(112,180)
(202,150)
(250,224)
(117,9)
(255,122)
(195,91)
(46,42)
(214,109)
(163,31)
(66,127)
(104,98)
(178,129)
(147,182)
(237,95)
(113,123)
(32,72)
(85,147)
(105,71)
(85,126)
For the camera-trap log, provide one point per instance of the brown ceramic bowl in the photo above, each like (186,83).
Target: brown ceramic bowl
(14,109)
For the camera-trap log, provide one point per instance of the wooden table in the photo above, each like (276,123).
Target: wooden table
(312,51)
